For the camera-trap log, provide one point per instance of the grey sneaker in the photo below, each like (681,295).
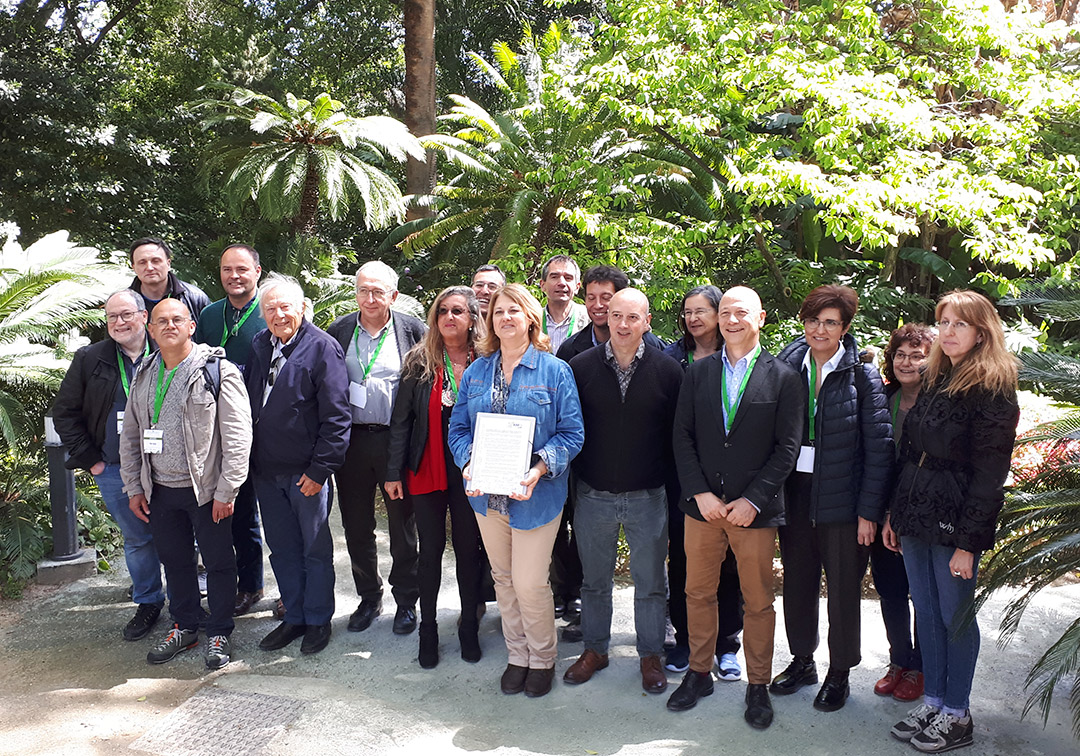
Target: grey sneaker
(915,722)
(218,651)
(729,667)
(944,733)
(176,641)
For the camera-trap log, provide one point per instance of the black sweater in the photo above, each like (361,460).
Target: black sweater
(627,441)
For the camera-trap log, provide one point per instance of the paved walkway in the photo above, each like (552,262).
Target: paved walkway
(72,686)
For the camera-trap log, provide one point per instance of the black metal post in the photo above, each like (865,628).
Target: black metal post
(62,498)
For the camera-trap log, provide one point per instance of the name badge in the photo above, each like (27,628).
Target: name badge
(806,460)
(120,423)
(152,440)
(357,395)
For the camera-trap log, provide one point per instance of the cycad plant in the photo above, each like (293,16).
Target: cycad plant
(296,157)
(1038,538)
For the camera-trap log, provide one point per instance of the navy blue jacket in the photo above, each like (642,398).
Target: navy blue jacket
(854,453)
(304,427)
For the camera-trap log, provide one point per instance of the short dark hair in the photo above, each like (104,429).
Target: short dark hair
(913,334)
(491,267)
(559,259)
(149,240)
(608,273)
(244,248)
(713,295)
(842,298)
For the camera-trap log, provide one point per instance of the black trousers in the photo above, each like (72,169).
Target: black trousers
(729,600)
(247,539)
(177,522)
(364,469)
(430,511)
(808,551)
(565,573)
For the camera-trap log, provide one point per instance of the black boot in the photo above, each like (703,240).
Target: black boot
(468,637)
(429,645)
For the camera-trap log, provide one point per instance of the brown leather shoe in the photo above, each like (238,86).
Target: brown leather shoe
(653,679)
(588,664)
(538,682)
(513,679)
(245,600)
(279,609)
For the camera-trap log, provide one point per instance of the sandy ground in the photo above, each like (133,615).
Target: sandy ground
(71,685)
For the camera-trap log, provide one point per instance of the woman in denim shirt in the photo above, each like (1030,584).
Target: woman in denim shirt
(519,376)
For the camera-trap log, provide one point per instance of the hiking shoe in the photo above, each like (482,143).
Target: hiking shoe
(944,733)
(915,722)
(910,687)
(729,667)
(139,626)
(176,641)
(218,651)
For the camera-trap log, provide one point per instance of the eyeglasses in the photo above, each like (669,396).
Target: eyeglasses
(832,326)
(957,325)
(378,294)
(909,357)
(177,321)
(124,317)
(457,312)
(700,313)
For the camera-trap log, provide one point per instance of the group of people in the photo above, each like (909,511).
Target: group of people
(705,453)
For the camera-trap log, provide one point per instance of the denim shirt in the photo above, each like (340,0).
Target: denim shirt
(542,386)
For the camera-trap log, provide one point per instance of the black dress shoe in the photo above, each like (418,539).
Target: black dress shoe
(364,615)
(560,607)
(405,620)
(315,638)
(146,616)
(281,636)
(572,613)
(694,685)
(759,712)
(802,671)
(246,600)
(572,632)
(834,691)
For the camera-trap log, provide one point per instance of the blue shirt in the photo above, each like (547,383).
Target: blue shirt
(542,386)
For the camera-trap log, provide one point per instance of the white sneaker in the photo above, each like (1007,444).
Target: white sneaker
(729,668)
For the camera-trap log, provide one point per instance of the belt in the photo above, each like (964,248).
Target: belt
(370,427)
(936,463)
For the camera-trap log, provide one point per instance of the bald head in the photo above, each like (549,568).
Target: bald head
(740,319)
(628,322)
(171,327)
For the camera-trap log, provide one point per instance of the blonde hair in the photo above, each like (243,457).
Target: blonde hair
(988,365)
(425,360)
(534,313)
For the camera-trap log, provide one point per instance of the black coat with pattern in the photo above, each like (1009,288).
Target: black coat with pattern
(955,456)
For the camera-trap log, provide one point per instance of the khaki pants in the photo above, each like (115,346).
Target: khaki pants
(706,546)
(520,560)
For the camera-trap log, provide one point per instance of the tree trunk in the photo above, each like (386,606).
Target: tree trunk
(305,221)
(420,95)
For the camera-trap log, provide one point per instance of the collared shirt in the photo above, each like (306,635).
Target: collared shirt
(577,317)
(382,381)
(733,378)
(277,361)
(622,375)
(827,368)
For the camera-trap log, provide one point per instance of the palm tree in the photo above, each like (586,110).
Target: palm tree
(542,172)
(298,156)
(1038,538)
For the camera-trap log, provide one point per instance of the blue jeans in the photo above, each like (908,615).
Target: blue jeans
(139,552)
(643,517)
(949,649)
(297,531)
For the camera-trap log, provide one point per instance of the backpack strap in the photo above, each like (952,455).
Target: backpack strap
(212,375)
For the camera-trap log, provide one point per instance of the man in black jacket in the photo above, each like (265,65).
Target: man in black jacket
(601,283)
(88,413)
(151,260)
(375,340)
(736,439)
(628,394)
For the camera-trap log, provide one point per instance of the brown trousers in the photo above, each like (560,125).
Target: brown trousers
(706,545)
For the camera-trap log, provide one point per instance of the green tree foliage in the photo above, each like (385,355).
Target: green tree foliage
(935,142)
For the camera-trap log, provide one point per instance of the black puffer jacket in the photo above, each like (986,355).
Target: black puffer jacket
(955,456)
(854,457)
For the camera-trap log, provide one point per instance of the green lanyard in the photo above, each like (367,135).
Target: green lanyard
(450,372)
(689,358)
(811,404)
(375,354)
(895,408)
(226,333)
(573,319)
(729,410)
(159,390)
(123,371)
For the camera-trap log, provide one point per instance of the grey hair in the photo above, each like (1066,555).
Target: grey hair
(134,296)
(380,270)
(289,287)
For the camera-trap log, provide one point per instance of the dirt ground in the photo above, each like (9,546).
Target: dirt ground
(71,685)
